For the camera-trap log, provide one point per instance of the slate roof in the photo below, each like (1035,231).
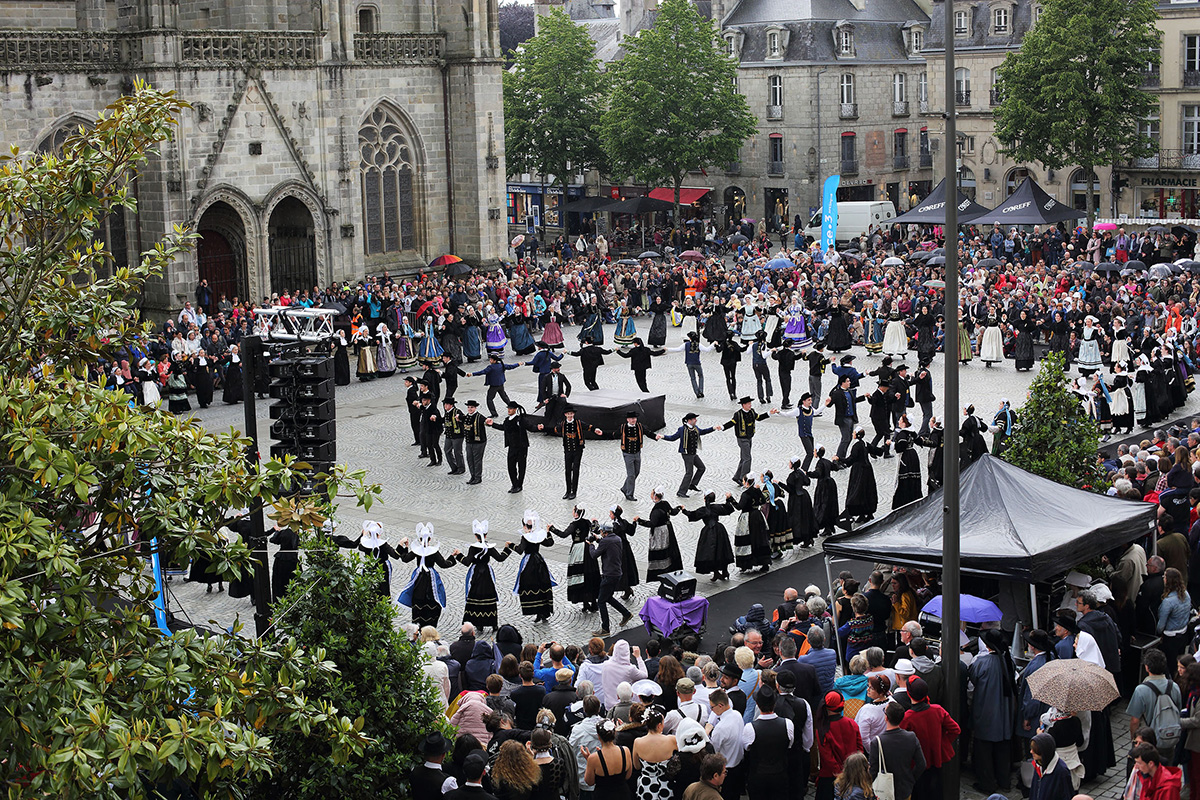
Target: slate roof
(981,27)
(606,33)
(750,12)
(877,29)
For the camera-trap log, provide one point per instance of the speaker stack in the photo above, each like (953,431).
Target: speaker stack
(304,415)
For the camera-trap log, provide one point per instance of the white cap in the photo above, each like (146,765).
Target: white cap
(1078,580)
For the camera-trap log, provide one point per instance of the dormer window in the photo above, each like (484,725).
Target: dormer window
(962,23)
(777,42)
(843,39)
(1000,17)
(918,41)
(733,42)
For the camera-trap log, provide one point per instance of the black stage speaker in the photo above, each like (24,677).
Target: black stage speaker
(676,586)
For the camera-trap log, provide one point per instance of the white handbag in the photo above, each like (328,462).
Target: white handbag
(884,784)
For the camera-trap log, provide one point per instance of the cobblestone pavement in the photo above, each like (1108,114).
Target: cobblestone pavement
(374,433)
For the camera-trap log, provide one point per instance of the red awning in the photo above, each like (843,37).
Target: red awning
(687,195)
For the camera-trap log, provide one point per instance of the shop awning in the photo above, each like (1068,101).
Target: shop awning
(687,194)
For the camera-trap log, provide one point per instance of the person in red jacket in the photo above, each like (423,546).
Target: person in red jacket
(837,738)
(1159,782)
(936,731)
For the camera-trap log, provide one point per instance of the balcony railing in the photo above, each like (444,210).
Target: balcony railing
(1151,78)
(900,162)
(849,166)
(923,106)
(390,48)
(848,111)
(926,161)
(774,167)
(238,47)
(995,97)
(899,108)
(774,112)
(1169,159)
(1191,77)
(68,50)
(962,97)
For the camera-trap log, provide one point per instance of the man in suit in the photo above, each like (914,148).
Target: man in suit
(472,786)
(427,779)
(516,440)
(431,430)
(461,649)
(845,412)
(453,422)
(591,357)
(553,391)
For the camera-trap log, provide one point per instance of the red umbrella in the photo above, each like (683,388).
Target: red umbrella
(863,284)
(428,304)
(444,261)
(691,255)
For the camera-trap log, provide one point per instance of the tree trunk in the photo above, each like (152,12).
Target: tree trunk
(678,181)
(1091,197)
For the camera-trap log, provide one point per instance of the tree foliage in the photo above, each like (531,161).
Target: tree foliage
(673,106)
(552,99)
(333,607)
(516,25)
(95,702)
(1073,93)
(1053,437)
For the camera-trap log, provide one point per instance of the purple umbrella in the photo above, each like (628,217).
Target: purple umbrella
(971,609)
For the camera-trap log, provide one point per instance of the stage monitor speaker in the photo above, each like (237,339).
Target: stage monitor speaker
(676,586)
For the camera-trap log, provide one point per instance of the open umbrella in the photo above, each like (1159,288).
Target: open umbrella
(444,261)
(691,255)
(1135,264)
(738,238)
(1125,273)
(1157,229)
(458,268)
(1073,685)
(892,261)
(1108,266)
(1192,266)
(428,304)
(988,263)
(938,251)
(1160,271)
(340,308)
(922,256)
(518,240)
(780,263)
(1105,226)
(629,262)
(650,254)
(1183,231)
(867,284)
(935,284)
(936,261)
(971,609)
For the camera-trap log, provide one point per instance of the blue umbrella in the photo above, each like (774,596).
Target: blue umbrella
(780,263)
(971,609)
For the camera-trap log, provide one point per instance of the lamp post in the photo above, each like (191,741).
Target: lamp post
(951,582)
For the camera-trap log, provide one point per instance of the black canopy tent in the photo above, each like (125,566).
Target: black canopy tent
(932,210)
(1015,526)
(584,205)
(1029,205)
(638,205)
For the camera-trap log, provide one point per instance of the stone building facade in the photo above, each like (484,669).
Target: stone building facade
(327,139)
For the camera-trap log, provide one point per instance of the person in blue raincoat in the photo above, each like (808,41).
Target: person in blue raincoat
(425,593)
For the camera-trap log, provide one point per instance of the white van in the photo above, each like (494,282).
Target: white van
(854,219)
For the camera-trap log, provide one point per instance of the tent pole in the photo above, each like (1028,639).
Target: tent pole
(837,639)
(1033,604)
(951,582)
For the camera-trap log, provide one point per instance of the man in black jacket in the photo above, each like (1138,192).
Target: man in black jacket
(797,709)
(817,362)
(431,430)
(426,779)
(554,389)
(768,741)
(845,413)
(472,786)
(453,425)
(901,399)
(640,357)
(591,357)
(903,758)
(610,554)
(744,424)
(786,357)
(516,440)
(923,381)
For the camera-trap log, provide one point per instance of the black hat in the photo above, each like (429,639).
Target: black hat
(745,400)
(472,404)
(901,367)
(555,365)
(1066,619)
(434,744)
(496,356)
(805,396)
(994,639)
(1040,639)
(761,336)
(690,415)
(513,404)
(732,671)
(786,679)
(448,401)
(475,764)
(818,345)
(633,412)
(568,409)
(847,359)
(543,346)
(693,335)
(422,382)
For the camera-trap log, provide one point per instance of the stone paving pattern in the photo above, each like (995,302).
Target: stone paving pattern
(374,433)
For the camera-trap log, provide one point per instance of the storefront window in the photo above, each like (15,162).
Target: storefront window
(1168,203)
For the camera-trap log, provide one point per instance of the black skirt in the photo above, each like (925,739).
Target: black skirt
(713,551)
(232,393)
(534,588)
(481,599)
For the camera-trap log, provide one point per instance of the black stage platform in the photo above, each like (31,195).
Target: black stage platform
(606,409)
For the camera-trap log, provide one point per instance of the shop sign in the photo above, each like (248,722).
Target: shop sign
(1170,181)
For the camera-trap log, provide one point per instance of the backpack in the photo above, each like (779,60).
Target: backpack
(1165,719)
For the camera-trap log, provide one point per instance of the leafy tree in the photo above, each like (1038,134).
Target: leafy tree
(333,607)
(1053,436)
(516,25)
(1073,93)
(672,103)
(552,96)
(95,702)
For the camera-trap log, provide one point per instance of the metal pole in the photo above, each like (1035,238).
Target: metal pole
(837,639)
(951,584)
(252,352)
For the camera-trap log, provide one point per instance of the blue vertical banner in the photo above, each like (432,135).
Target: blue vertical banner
(829,213)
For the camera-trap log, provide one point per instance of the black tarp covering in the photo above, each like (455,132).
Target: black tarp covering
(932,210)
(606,408)
(1029,205)
(1014,525)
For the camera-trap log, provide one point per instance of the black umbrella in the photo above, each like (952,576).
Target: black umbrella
(938,251)
(738,238)
(936,261)
(1192,266)
(1157,229)
(340,308)
(458,268)
(922,255)
(650,254)
(1135,264)
(629,262)
(1108,266)
(639,205)
(1183,231)
(987,263)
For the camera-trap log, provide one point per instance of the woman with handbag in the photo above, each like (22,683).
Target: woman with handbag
(656,758)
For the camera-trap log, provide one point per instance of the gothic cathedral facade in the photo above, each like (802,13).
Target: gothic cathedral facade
(327,140)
